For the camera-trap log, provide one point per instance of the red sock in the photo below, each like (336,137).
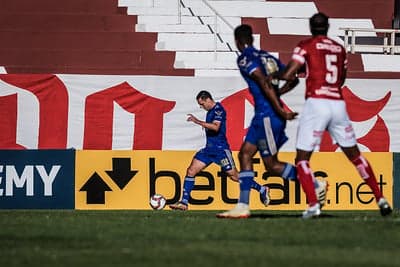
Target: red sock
(366,172)
(305,176)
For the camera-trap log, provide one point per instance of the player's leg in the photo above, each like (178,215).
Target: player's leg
(365,170)
(313,121)
(233,174)
(197,164)
(307,181)
(271,139)
(280,168)
(246,175)
(343,133)
(225,160)
(246,179)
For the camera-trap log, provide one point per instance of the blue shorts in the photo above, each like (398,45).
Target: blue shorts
(222,157)
(268,134)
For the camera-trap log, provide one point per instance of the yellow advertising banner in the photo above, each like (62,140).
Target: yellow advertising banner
(113,179)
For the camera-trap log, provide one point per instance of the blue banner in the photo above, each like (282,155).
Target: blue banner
(37,179)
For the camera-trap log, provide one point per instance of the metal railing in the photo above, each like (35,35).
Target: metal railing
(215,32)
(389,40)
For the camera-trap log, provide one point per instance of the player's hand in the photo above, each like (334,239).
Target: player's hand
(290,115)
(191,118)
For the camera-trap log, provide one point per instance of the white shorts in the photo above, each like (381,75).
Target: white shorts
(319,115)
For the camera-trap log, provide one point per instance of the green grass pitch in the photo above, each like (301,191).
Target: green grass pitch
(197,238)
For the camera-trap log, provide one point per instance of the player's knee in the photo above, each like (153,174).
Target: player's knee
(191,172)
(244,157)
(274,168)
(234,177)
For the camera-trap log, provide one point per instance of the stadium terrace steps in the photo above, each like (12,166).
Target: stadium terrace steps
(185,19)
(197,42)
(360,9)
(283,35)
(216,73)
(91,61)
(238,8)
(379,62)
(98,7)
(87,58)
(278,27)
(184,28)
(174,28)
(78,36)
(207,60)
(255,9)
(299,26)
(379,11)
(67,22)
(155,40)
(98,70)
(78,40)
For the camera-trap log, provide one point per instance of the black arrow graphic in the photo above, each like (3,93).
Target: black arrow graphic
(121,173)
(95,189)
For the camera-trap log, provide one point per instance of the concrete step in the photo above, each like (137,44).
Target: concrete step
(98,70)
(186,19)
(198,42)
(51,6)
(174,28)
(88,58)
(78,40)
(207,60)
(67,22)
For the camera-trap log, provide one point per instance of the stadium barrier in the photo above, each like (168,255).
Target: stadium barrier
(125,179)
(387,47)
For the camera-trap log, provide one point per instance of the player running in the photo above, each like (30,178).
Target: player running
(325,109)
(266,133)
(216,150)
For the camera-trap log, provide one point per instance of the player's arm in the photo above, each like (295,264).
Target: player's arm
(289,84)
(290,73)
(214,126)
(269,92)
(344,72)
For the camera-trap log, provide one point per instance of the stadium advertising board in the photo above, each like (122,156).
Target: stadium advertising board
(37,179)
(127,179)
(149,113)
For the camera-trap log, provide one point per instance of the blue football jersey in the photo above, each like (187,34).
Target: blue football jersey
(249,61)
(217,139)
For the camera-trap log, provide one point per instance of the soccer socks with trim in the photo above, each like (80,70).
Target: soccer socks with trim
(366,172)
(188,185)
(256,186)
(289,172)
(306,179)
(245,181)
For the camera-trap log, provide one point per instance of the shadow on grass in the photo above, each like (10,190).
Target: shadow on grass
(286,215)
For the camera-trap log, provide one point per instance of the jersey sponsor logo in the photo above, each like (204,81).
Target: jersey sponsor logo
(219,112)
(243,62)
(328,91)
(331,47)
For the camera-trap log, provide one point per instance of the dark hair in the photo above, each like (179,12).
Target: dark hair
(204,95)
(244,34)
(319,24)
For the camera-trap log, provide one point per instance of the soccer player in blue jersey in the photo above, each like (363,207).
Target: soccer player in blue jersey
(216,150)
(266,133)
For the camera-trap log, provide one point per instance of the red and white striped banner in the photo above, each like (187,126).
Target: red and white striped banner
(149,112)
